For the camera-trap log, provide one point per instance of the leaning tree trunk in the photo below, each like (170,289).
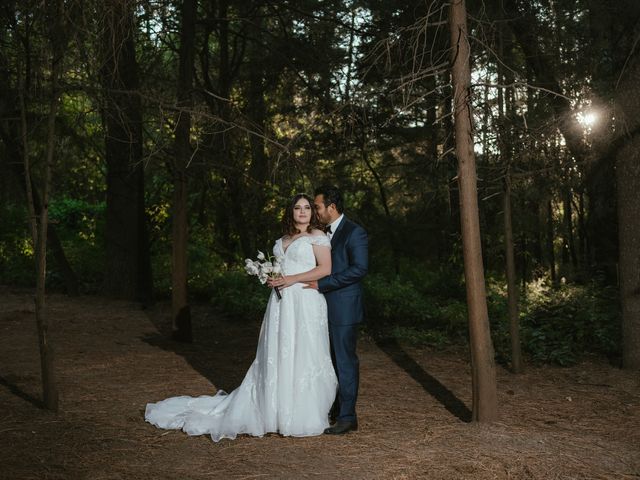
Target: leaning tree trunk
(181,312)
(128,267)
(628,182)
(15,150)
(482,353)
(39,227)
(385,204)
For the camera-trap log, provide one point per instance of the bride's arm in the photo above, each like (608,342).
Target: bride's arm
(322,269)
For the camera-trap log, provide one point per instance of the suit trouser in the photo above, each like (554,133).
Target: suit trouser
(346,363)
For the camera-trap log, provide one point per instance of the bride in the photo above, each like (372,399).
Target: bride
(291,384)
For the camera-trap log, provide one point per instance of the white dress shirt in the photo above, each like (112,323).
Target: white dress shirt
(334,225)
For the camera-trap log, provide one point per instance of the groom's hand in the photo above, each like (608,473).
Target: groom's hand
(313,284)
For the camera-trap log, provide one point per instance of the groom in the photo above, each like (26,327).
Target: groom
(343,291)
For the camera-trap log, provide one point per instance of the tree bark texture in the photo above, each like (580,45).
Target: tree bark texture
(47,355)
(482,353)
(128,268)
(628,179)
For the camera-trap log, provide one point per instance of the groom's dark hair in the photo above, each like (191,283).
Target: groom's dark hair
(331,194)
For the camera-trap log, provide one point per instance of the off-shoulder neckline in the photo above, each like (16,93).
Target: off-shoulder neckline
(284,250)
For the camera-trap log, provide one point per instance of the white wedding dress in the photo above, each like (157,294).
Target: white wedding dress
(290,385)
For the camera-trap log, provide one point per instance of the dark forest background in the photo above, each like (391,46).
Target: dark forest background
(133,118)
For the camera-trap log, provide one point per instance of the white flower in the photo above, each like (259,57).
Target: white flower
(266,266)
(252,268)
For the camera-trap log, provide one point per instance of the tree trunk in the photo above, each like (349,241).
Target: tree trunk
(482,353)
(512,288)
(583,246)
(39,228)
(391,231)
(551,255)
(628,179)
(128,268)
(181,312)
(569,257)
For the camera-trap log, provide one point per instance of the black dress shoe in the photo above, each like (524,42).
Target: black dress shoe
(341,427)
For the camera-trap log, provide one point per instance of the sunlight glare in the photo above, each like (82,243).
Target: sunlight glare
(588,118)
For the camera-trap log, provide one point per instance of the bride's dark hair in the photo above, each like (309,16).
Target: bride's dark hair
(289,226)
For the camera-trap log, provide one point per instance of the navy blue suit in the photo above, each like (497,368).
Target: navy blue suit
(343,291)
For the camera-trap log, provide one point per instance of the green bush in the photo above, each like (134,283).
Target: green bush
(239,295)
(17,264)
(558,324)
(80,227)
(397,302)
(561,323)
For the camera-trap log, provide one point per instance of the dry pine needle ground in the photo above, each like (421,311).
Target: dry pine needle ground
(113,358)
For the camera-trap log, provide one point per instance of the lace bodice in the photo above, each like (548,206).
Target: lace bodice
(299,256)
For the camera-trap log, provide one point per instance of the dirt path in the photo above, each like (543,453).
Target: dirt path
(580,422)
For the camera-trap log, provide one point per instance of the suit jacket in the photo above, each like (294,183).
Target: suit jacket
(349,265)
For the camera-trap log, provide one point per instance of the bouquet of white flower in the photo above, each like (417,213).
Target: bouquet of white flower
(265,267)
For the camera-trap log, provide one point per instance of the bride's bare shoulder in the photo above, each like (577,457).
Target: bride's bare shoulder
(317,233)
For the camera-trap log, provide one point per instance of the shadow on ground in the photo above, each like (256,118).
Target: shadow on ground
(222,349)
(431,385)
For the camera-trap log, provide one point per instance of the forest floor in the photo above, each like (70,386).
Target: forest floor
(113,357)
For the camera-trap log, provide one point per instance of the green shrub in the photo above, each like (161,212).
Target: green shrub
(17,264)
(239,295)
(561,323)
(558,324)
(397,302)
(80,226)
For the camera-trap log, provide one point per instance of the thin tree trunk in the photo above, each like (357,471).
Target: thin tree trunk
(551,255)
(482,354)
(34,202)
(385,205)
(47,362)
(583,255)
(181,312)
(47,355)
(33,224)
(512,289)
(524,265)
(569,256)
